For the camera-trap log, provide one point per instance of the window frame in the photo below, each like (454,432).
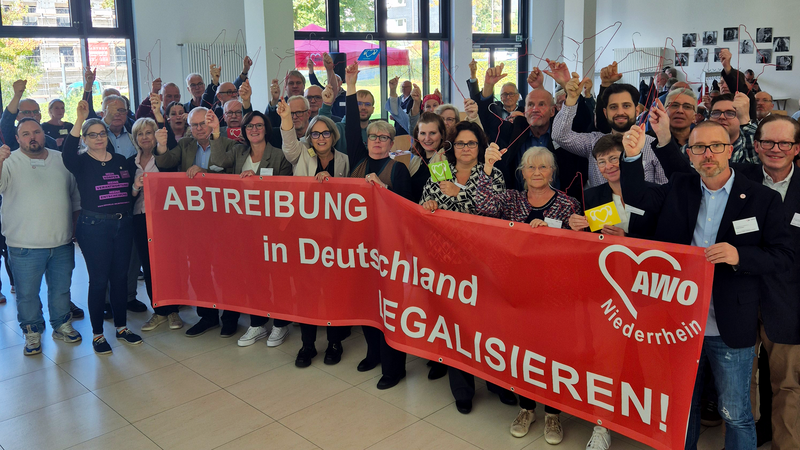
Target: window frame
(492,42)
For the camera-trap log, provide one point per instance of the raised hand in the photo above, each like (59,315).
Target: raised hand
(741,103)
(155,104)
(725,59)
(247,63)
(707,102)
(89,76)
(659,121)
(5,152)
(216,71)
(19,87)
(471,108)
(416,93)
(535,78)
(285,112)
(473,69)
(327,61)
(161,137)
(493,154)
(493,75)
(245,91)
(82,111)
(437,93)
(212,121)
(393,86)
(156,86)
(634,140)
(275,90)
(609,75)
(310,65)
(328,96)
(351,75)
(587,88)
(558,71)
(573,89)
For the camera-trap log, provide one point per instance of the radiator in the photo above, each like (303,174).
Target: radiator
(642,63)
(197,57)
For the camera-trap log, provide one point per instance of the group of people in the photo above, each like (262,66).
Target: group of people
(540,159)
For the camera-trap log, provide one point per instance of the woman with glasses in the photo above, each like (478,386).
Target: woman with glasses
(451,116)
(56,128)
(322,162)
(144,139)
(255,157)
(607,152)
(105,226)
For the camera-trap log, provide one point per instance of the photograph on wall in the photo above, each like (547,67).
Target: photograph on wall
(681,59)
(781,44)
(717,51)
(690,39)
(784,63)
(763,35)
(701,55)
(746,47)
(709,38)
(764,57)
(730,34)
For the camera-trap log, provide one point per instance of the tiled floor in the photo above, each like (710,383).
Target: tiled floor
(174,392)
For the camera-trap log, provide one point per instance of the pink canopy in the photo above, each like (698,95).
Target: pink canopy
(305,49)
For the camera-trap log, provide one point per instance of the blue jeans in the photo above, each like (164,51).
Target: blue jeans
(29,265)
(732,368)
(106,246)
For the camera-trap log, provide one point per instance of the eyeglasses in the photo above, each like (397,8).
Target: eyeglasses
(314,98)
(30,112)
(229,92)
(449,119)
(604,162)
(196,85)
(233,113)
(471,144)
(101,134)
(367,104)
(763,100)
(507,94)
(197,125)
(686,106)
(254,126)
(729,114)
(701,149)
(383,137)
(296,114)
(784,146)
(117,111)
(317,134)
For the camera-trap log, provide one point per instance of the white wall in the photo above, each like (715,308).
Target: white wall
(177,22)
(657,21)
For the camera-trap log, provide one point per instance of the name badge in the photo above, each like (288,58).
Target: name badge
(342,103)
(37,163)
(266,171)
(215,168)
(634,210)
(744,226)
(552,223)
(63,131)
(796,220)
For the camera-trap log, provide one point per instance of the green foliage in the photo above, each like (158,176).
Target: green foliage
(487,16)
(357,15)
(308,12)
(17,63)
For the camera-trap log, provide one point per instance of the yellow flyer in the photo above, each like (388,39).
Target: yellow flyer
(602,215)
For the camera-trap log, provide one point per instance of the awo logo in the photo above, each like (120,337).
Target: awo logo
(663,283)
(602,214)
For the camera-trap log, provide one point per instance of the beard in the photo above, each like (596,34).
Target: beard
(623,128)
(708,172)
(34,146)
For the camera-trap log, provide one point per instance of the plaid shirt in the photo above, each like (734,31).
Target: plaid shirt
(581,144)
(464,201)
(513,204)
(743,149)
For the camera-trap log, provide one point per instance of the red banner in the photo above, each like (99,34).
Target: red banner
(604,328)
(98,54)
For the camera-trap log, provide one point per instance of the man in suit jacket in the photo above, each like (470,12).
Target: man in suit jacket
(496,116)
(779,324)
(740,224)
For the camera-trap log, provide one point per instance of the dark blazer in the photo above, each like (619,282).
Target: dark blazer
(640,226)
(490,122)
(236,157)
(780,302)
(766,251)
(183,155)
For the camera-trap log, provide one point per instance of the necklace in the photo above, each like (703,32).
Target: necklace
(102,162)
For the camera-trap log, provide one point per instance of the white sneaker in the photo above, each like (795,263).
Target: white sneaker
(153,323)
(553,433)
(277,336)
(66,333)
(600,440)
(252,335)
(522,423)
(33,342)
(175,322)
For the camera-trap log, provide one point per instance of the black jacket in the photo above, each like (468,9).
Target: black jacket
(640,226)
(736,293)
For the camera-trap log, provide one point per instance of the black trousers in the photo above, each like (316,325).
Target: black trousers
(140,240)
(462,385)
(308,334)
(393,362)
(212,315)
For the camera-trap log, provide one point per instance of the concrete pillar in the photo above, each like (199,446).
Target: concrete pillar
(269,25)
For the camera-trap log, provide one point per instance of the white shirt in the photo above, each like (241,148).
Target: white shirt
(39,197)
(623,212)
(780,186)
(250,165)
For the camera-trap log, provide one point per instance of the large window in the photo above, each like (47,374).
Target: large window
(498,36)
(49,42)
(411,36)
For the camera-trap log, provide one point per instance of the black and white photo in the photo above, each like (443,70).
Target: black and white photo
(764,56)
(781,44)
(717,51)
(701,55)
(746,47)
(764,35)
(730,34)
(709,38)
(689,39)
(784,63)
(681,59)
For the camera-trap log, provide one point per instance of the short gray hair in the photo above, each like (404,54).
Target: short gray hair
(681,91)
(192,75)
(534,153)
(112,98)
(231,101)
(298,97)
(512,85)
(170,84)
(381,125)
(195,110)
(328,123)
(448,107)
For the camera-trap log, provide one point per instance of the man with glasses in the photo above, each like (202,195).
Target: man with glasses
(314,97)
(495,114)
(233,112)
(167,93)
(733,113)
(680,106)
(196,88)
(741,224)
(764,105)
(21,109)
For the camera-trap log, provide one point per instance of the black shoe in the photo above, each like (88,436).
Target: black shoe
(333,354)
(507,397)
(438,370)
(201,327)
(387,382)
(76,312)
(464,406)
(709,415)
(129,337)
(367,364)
(101,346)
(304,356)
(228,329)
(136,306)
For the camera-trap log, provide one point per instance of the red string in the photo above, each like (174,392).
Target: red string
(451,78)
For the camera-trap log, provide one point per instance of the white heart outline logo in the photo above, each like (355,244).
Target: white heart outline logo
(606,209)
(438,170)
(638,259)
